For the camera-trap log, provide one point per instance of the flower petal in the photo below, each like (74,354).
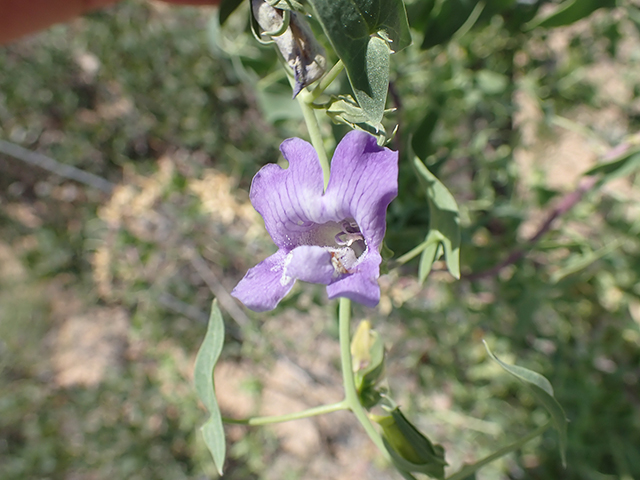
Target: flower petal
(264,285)
(362,285)
(364,180)
(303,221)
(288,198)
(310,263)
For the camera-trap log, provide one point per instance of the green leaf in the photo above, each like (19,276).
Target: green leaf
(377,68)
(444,224)
(431,253)
(577,263)
(418,13)
(208,355)
(543,392)
(349,23)
(621,166)
(421,140)
(570,12)
(227,7)
(357,29)
(446,18)
(344,109)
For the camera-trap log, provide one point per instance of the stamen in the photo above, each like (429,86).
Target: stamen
(350,233)
(350,226)
(347,238)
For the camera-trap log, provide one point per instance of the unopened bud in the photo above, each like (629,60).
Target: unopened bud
(410,450)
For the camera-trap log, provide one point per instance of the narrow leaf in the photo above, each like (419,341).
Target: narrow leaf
(621,166)
(208,355)
(542,390)
(421,140)
(569,12)
(444,221)
(578,263)
(429,255)
(446,20)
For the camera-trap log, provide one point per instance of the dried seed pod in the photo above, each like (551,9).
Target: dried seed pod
(295,41)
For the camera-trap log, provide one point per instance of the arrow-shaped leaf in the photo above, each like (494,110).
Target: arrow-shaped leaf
(444,224)
(208,355)
(363,34)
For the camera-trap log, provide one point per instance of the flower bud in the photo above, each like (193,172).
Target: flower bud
(410,450)
(367,356)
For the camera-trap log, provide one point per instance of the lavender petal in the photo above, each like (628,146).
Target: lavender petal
(264,285)
(310,263)
(364,180)
(362,285)
(288,198)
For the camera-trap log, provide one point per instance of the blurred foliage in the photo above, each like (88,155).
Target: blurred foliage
(504,110)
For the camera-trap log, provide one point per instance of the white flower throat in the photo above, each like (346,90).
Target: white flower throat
(351,246)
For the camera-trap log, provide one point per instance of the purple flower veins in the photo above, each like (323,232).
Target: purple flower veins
(332,238)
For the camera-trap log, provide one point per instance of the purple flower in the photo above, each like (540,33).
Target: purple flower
(332,238)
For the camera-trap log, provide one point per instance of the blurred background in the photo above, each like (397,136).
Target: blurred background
(106,279)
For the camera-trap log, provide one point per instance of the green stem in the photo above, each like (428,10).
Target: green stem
(325,82)
(412,253)
(316,138)
(351,394)
(469,469)
(311,412)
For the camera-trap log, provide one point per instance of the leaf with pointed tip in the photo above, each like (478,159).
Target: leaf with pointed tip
(212,430)
(444,224)
(542,390)
(430,254)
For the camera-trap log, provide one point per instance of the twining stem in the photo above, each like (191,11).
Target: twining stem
(316,138)
(351,394)
(311,412)
(470,469)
